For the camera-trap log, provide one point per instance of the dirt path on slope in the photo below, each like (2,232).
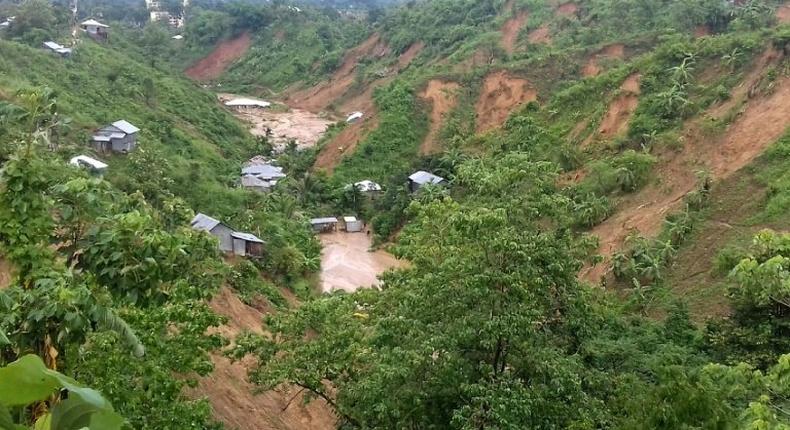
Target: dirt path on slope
(223,55)
(442,97)
(319,97)
(347,264)
(511,30)
(541,35)
(593,67)
(231,394)
(763,120)
(621,109)
(500,95)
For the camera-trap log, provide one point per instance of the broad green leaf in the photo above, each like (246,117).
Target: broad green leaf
(106,420)
(72,414)
(25,381)
(43,423)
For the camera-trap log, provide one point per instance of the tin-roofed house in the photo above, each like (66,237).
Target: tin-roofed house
(120,136)
(217,229)
(422,178)
(247,244)
(95,29)
(261,176)
(57,49)
(324,225)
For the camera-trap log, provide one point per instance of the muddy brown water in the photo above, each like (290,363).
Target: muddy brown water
(347,264)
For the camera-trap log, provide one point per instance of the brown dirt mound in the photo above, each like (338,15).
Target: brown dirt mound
(615,122)
(319,97)
(231,394)
(443,98)
(592,68)
(345,143)
(511,29)
(701,31)
(541,34)
(567,9)
(223,55)
(762,121)
(501,94)
(408,56)
(783,13)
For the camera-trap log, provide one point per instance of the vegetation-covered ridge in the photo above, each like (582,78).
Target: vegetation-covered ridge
(610,248)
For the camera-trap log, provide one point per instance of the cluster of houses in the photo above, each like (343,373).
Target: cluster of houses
(261,174)
(350,224)
(230,241)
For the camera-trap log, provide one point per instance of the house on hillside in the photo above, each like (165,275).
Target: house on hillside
(324,225)
(215,228)
(421,178)
(120,136)
(92,164)
(57,49)
(261,176)
(247,244)
(95,29)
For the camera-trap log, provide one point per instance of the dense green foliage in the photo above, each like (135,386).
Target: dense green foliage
(489,326)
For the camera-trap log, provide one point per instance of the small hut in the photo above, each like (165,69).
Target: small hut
(422,178)
(247,244)
(352,224)
(92,164)
(324,225)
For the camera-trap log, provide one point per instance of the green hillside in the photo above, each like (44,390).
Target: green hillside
(609,247)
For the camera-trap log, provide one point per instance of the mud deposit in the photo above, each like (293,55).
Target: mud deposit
(306,128)
(346,263)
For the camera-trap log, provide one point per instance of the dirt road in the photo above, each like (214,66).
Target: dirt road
(347,265)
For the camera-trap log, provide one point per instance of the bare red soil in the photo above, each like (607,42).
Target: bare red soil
(345,143)
(762,120)
(319,97)
(223,55)
(783,13)
(622,108)
(541,34)
(511,30)
(500,95)
(232,396)
(701,31)
(593,68)
(568,9)
(442,97)
(408,55)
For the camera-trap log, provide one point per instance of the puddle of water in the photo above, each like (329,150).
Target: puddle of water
(347,265)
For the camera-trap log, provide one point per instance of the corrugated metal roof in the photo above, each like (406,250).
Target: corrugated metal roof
(247,102)
(246,236)
(263,171)
(94,23)
(354,116)
(422,177)
(82,160)
(252,181)
(349,219)
(326,220)
(52,45)
(204,222)
(101,138)
(125,127)
(367,185)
